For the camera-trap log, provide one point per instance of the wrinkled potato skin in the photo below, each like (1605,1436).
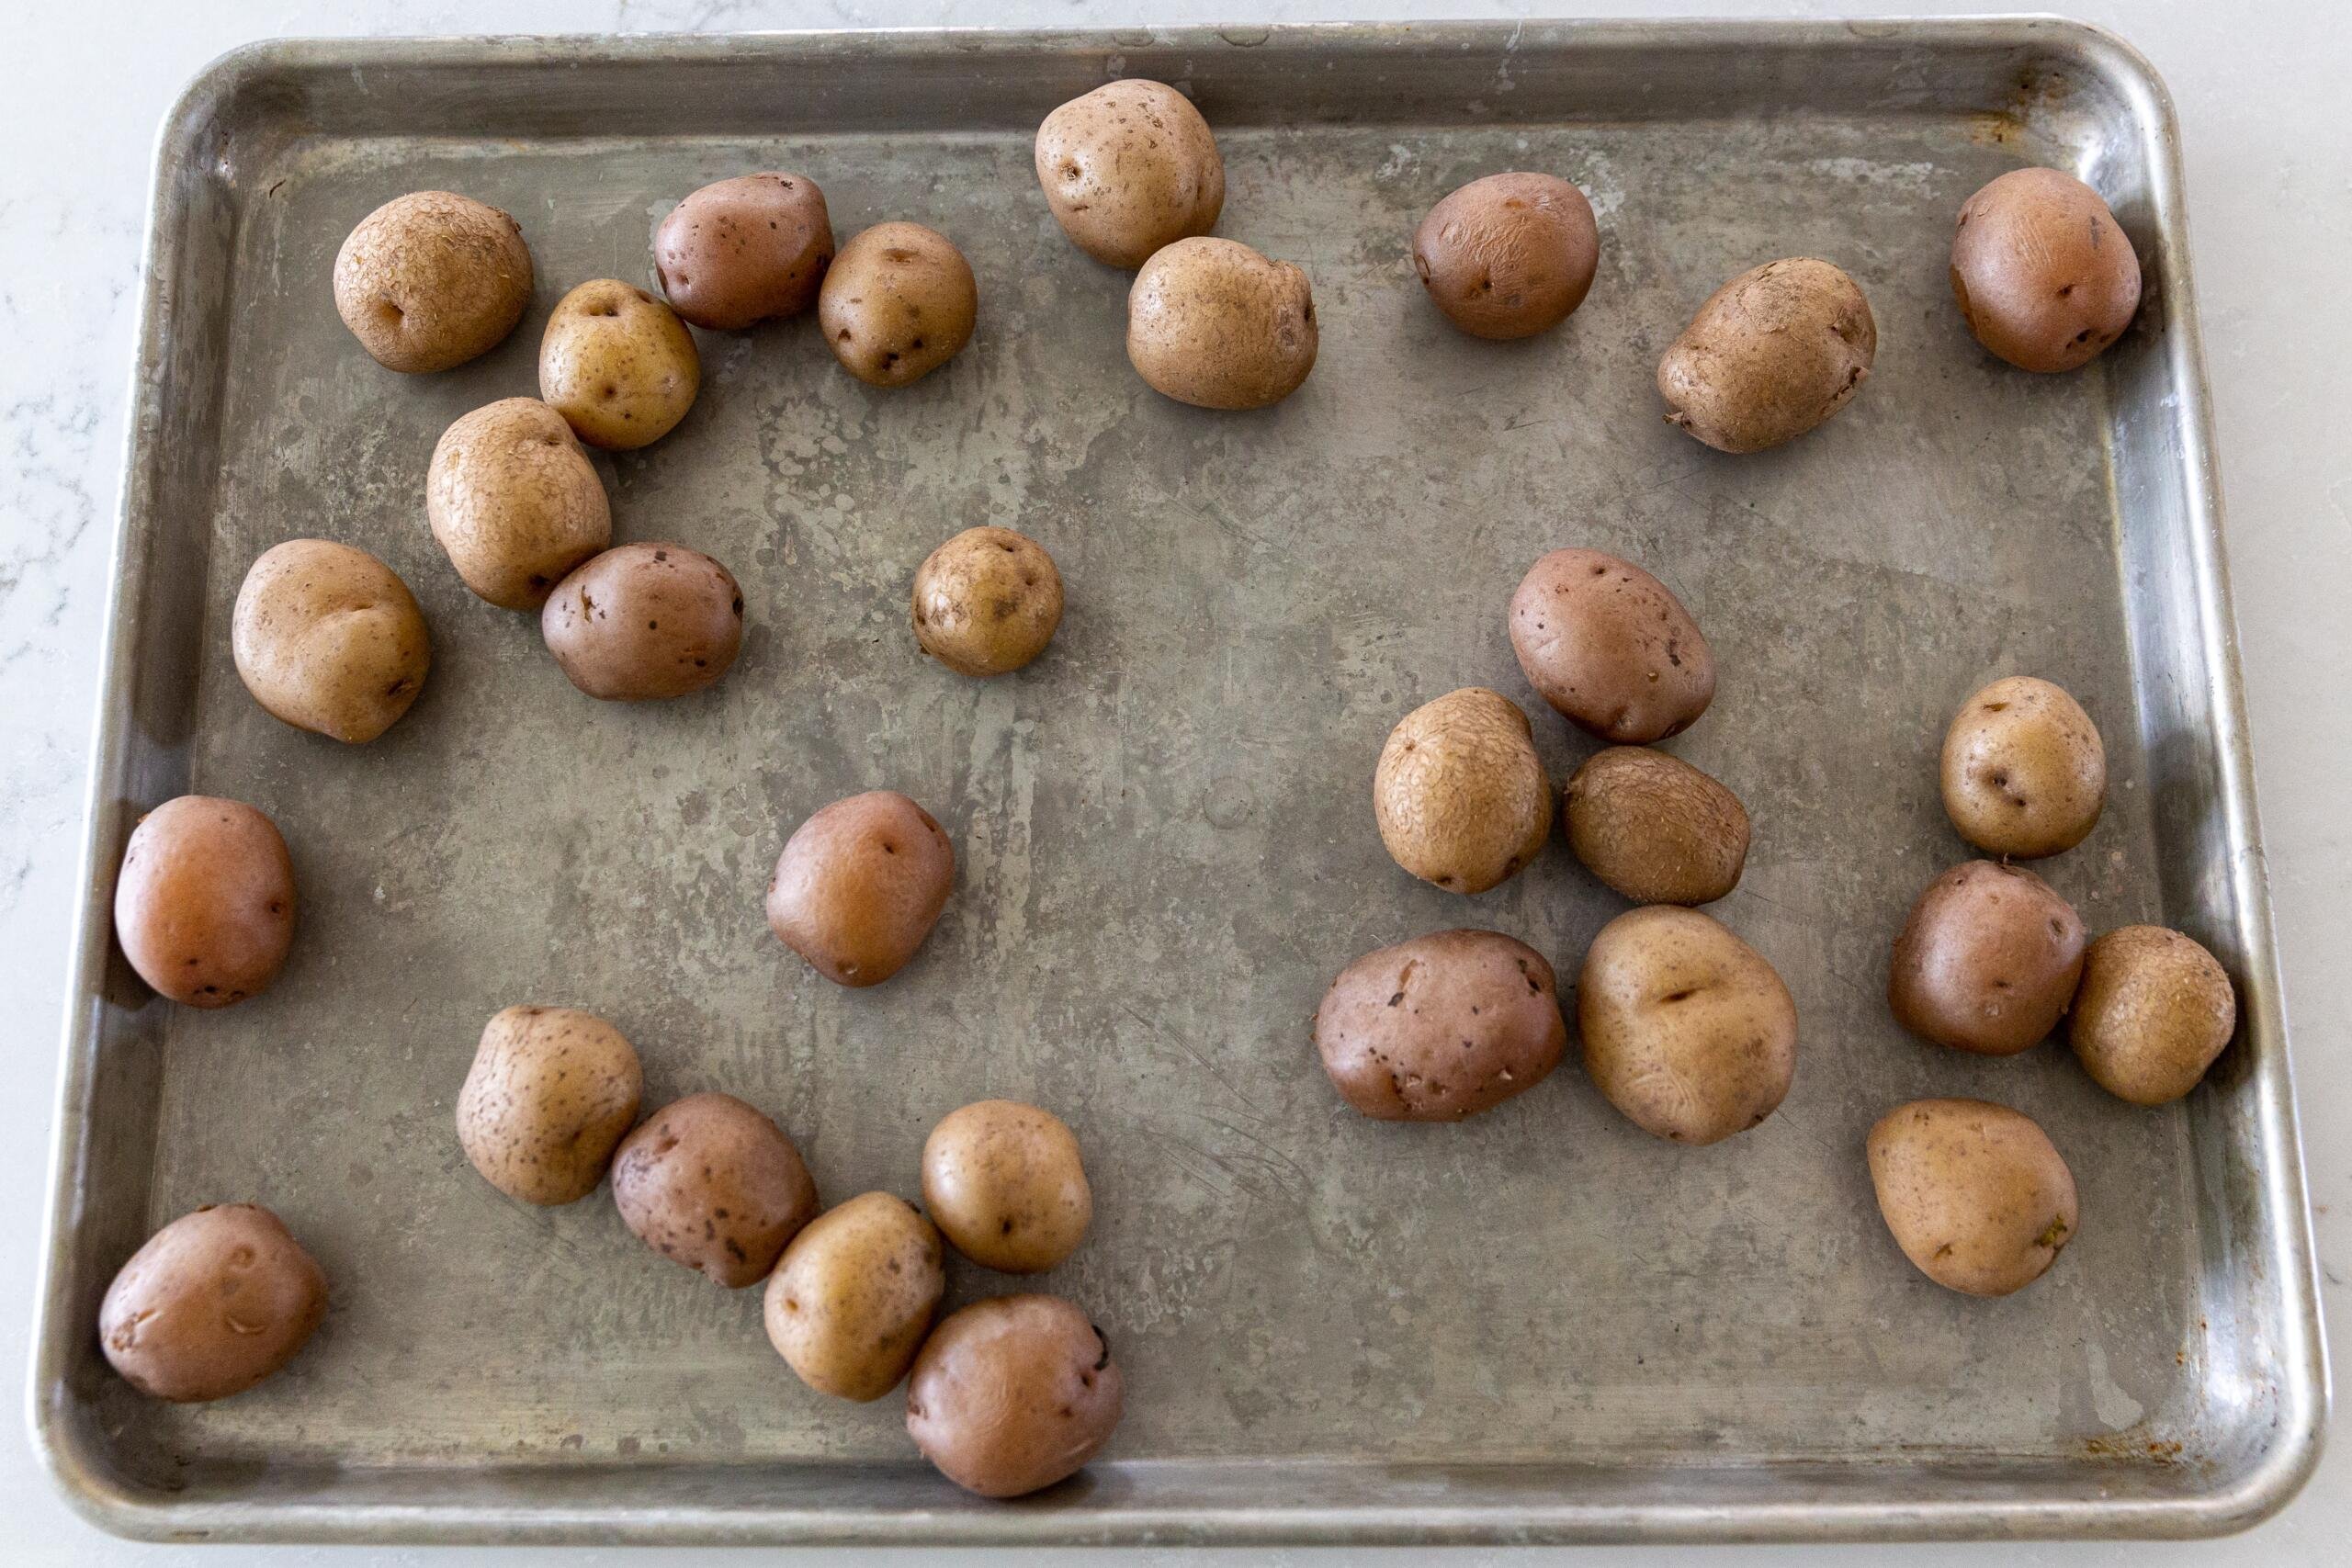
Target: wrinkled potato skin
(745,251)
(2024,771)
(1007,1186)
(1213,323)
(2043,275)
(1973,1194)
(1129,168)
(515,501)
(329,640)
(2152,1012)
(711,1183)
(1687,1029)
(860,885)
(848,1306)
(216,1300)
(618,365)
(1769,356)
(987,602)
(1987,961)
(1509,256)
(1440,1027)
(1012,1394)
(1461,798)
(1611,646)
(430,281)
(549,1096)
(898,302)
(643,621)
(203,903)
(1656,829)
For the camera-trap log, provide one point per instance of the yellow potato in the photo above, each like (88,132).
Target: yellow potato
(515,501)
(987,602)
(550,1094)
(1213,323)
(328,638)
(2154,1008)
(1460,795)
(2024,771)
(848,1306)
(618,365)
(430,281)
(1973,1194)
(1005,1183)
(898,302)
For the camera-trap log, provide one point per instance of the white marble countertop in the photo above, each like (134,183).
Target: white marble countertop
(2260,91)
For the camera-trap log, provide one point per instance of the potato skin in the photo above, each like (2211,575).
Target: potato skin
(214,1302)
(1687,1029)
(743,251)
(203,903)
(1509,256)
(987,602)
(643,621)
(1007,1186)
(848,1306)
(1611,646)
(711,1183)
(1769,356)
(1461,798)
(618,365)
(431,280)
(1012,1394)
(2043,272)
(1129,168)
(549,1095)
(1440,1027)
(1973,1194)
(2152,1012)
(1988,961)
(328,638)
(1213,323)
(898,302)
(2024,772)
(515,501)
(1656,829)
(860,885)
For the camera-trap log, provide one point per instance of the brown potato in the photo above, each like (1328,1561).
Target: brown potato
(1611,646)
(1687,1029)
(860,885)
(515,501)
(216,1300)
(328,638)
(709,1182)
(430,281)
(549,1096)
(1006,1185)
(1656,829)
(1973,1194)
(2154,1008)
(1987,961)
(743,251)
(1509,256)
(2044,276)
(643,622)
(1771,355)
(618,365)
(1012,1394)
(1213,323)
(848,1307)
(1460,795)
(987,602)
(2024,772)
(1440,1027)
(898,302)
(203,903)
(1128,168)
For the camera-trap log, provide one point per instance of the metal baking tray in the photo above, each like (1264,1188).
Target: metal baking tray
(1541,1325)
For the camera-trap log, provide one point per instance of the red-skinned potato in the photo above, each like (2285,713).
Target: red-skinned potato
(1128,168)
(1771,354)
(1440,1027)
(711,1183)
(860,885)
(743,251)
(2044,276)
(216,1300)
(204,904)
(1012,1394)
(1509,256)
(1987,961)
(1611,646)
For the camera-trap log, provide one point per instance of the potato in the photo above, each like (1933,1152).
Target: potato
(1213,323)
(1973,1194)
(203,903)
(1012,1394)
(1006,1185)
(2153,1009)
(1440,1027)
(515,501)
(618,365)
(216,1300)
(709,1182)
(898,302)
(1771,354)
(1987,961)
(430,281)
(549,1095)
(1129,168)
(747,250)
(987,602)
(641,622)
(2024,772)
(328,638)
(850,1303)
(1509,256)
(1656,829)
(1460,795)
(1687,1029)
(860,885)
(1611,646)
(2044,276)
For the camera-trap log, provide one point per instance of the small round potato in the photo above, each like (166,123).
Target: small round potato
(1771,355)
(2024,772)
(2044,276)
(1460,795)
(1987,961)
(328,638)
(987,602)
(430,281)
(1509,256)
(1128,168)
(1687,1029)
(2152,1012)
(1611,646)
(849,1306)
(515,501)
(641,622)
(1012,1394)
(898,302)
(1005,1182)
(709,1182)
(1213,323)
(743,251)
(204,904)
(1440,1027)
(549,1096)
(860,885)
(1973,1194)
(618,365)
(215,1301)
(1656,829)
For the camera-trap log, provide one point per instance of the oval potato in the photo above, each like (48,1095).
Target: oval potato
(2154,1010)
(743,251)
(618,365)
(1006,1184)
(711,1183)
(203,903)
(1973,1194)
(643,621)
(329,640)
(432,279)
(848,1306)
(2024,772)
(549,1096)
(1460,796)
(1771,354)
(898,302)
(214,1302)
(860,885)
(1440,1027)
(1509,256)
(1611,646)
(1988,961)
(1213,323)
(2043,275)
(1653,827)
